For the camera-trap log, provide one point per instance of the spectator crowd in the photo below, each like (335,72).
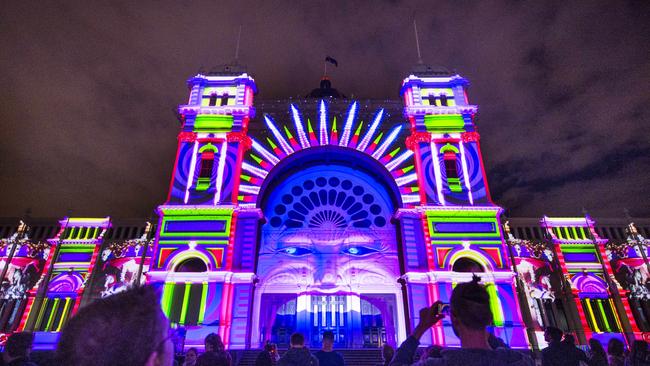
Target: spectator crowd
(130,329)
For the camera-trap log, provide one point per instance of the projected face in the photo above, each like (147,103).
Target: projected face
(328,233)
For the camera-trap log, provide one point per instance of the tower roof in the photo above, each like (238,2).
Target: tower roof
(426,70)
(227,70)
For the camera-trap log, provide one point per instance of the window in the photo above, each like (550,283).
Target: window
(450,165)
(207,163)
(443,100)
(465,264)
(449,157)
(213,100)
(432,99)
(224,99)
(192,265)
(185,301)
(600,314)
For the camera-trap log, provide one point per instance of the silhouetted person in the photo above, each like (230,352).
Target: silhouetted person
(265,358)
(638,354)
(573,355)
(215,352)
(387,353)
(553,354)
(496,342)
(434,351)
(615,349)
(470,316)
(298,354)
(17,349)
(598,356)
(327,356)
(190,357)
(128,328)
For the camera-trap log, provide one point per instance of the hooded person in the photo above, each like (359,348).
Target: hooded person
(298,354)
(470,316)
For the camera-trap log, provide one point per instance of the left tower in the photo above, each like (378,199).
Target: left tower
(204,281)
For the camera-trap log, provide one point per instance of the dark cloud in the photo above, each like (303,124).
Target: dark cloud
(88,90)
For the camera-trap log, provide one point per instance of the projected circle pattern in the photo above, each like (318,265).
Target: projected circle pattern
(327,203)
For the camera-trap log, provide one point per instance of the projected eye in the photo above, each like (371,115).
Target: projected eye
(359,250)
(295,251)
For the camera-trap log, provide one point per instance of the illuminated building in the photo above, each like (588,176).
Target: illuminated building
(324,213)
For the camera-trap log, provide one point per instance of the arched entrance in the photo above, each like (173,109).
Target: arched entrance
(328,256)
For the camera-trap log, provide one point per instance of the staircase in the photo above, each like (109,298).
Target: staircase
(352,357)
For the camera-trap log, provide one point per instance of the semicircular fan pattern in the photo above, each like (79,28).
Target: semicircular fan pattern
(327,204)
(287,140)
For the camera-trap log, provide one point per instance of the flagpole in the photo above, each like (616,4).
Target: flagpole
(325,73)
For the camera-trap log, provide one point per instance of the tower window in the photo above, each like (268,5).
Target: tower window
(224,99)
(432,99)
(207,163)
(213,100)
(451,168)
(450,165)
(443,100)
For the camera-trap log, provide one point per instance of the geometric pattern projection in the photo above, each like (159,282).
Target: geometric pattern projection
(327,204)
(367,139)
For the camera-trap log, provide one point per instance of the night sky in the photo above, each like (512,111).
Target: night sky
(88,91)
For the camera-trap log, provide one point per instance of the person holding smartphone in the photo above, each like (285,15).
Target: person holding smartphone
(470,314)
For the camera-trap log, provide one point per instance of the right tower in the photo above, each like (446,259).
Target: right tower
(459,222)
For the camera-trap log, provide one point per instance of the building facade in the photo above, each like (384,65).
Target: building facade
(324,213)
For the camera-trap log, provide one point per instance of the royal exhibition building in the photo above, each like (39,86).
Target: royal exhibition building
(325,213)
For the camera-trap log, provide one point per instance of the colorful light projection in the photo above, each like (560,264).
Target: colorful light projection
(603,307)
(328,259)
(21,263)
(212,140)
(534,263)
(629,261)
(123,264)
(445,141)
(460,242)
(70,262)
(396,160)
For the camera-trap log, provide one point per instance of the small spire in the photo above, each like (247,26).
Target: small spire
(237,47)
(417,41)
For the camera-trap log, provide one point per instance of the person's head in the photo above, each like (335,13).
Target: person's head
(19,345)
(552,334)
(432,352)
(297,340)
(190,356)
(328,340)
(124,329)
(470,309)
(596,348)
(387,352)
(213,343)
(569,339)
(615,347)
(639,347)
(496,342)
(268,347)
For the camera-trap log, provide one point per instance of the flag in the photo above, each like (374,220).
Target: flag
(332,61)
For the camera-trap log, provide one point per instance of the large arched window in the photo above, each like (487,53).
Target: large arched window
(192,265)
(465,264)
